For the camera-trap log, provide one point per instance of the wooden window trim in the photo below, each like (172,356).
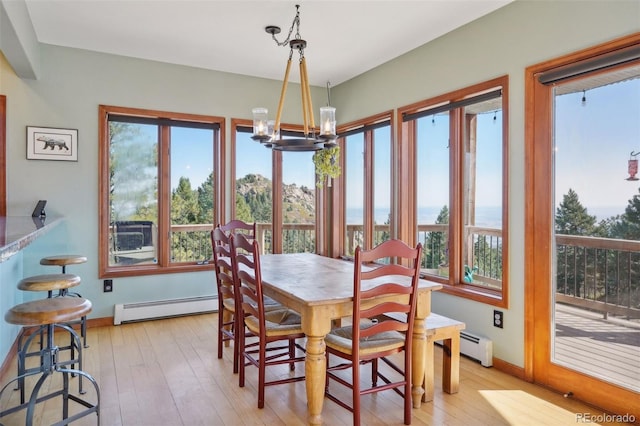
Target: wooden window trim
(539,229)
(338,220)
(163,266)
(407,192)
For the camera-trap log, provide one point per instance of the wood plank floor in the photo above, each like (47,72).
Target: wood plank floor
(166,372)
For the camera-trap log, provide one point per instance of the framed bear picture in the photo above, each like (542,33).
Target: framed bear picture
(45,143)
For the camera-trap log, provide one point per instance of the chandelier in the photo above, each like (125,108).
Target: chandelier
(268,131)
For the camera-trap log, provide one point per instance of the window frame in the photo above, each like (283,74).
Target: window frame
(240,125)
(407,194)
(337,221)
(164,265)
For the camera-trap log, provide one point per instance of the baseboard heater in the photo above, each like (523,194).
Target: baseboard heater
(477,347)
(129,312)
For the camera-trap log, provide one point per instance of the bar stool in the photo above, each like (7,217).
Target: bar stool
(65,260)
(49,313)
(48,283)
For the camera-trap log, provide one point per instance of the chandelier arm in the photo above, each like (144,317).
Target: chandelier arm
(305,101)
(308,90)
(283,93)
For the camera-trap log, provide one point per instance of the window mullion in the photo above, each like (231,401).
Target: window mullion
(368,190)
(456,195)
(164,195)
(276,218)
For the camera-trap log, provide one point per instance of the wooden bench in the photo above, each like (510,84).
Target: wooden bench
(439,327)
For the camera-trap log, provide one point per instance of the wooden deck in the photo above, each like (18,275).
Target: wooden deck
(607,349)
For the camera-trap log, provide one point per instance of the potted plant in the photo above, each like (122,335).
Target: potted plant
(327,165)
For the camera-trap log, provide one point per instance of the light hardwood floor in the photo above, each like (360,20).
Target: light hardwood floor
(166,372)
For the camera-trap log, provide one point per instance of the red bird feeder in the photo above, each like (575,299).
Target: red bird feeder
(633,166)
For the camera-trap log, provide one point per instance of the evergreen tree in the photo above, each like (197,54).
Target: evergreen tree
(205,201)
(628,225)
(436,243)
(243,211)
(133,183)
(572,217)
(184,203)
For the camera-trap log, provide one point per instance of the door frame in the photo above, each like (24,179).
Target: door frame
(539,244)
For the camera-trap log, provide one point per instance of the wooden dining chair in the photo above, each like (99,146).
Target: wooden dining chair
(276,329)
(227,318)
(380,288)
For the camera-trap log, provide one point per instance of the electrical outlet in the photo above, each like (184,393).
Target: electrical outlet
(498,319)
(107,286)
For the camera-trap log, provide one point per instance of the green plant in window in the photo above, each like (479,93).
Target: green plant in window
(327,165)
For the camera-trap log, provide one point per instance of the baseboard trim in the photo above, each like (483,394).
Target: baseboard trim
(508,368)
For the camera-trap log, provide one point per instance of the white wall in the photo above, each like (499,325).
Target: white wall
(72,83)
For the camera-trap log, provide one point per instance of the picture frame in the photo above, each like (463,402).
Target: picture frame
(47,143)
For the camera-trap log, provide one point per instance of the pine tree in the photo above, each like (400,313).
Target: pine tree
(628,227)
(436,243)
(205,201)
(572,217)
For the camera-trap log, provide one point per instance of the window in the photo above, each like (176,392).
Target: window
(459,147)
(159,190)
(367,182)
(276,190)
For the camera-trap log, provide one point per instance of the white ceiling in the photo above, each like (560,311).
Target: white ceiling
(345,38)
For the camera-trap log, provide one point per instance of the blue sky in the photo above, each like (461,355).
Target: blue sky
(593,143)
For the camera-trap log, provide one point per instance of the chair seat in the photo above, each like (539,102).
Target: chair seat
(269,304)
(277,323)
(48,311)
(49,282)
(341,339)
(63,260)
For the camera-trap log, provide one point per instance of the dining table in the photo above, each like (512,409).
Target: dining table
(320,288)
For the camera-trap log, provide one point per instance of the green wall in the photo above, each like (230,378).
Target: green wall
(72,83)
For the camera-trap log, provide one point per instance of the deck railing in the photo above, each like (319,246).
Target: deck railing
(600,274)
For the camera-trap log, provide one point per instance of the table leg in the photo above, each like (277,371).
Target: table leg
(451,364)
(316,373)
(429,371)
(418,360)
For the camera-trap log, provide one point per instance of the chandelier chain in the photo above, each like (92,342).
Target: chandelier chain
(296,24)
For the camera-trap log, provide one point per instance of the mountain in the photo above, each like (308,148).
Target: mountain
(298,201)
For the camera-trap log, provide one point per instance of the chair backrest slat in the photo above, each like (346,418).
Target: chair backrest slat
(245,256)
(237,226)
(222,264)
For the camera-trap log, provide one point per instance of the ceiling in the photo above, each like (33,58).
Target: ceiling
(345,38)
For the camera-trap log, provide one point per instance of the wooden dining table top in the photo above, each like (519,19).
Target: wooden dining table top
(312,279)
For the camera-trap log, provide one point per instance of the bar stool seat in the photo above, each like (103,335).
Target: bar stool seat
(63,260)
(51,312)
(49,282)
(48,311)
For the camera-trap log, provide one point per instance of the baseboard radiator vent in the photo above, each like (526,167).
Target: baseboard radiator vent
(477,347)
(129,312)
